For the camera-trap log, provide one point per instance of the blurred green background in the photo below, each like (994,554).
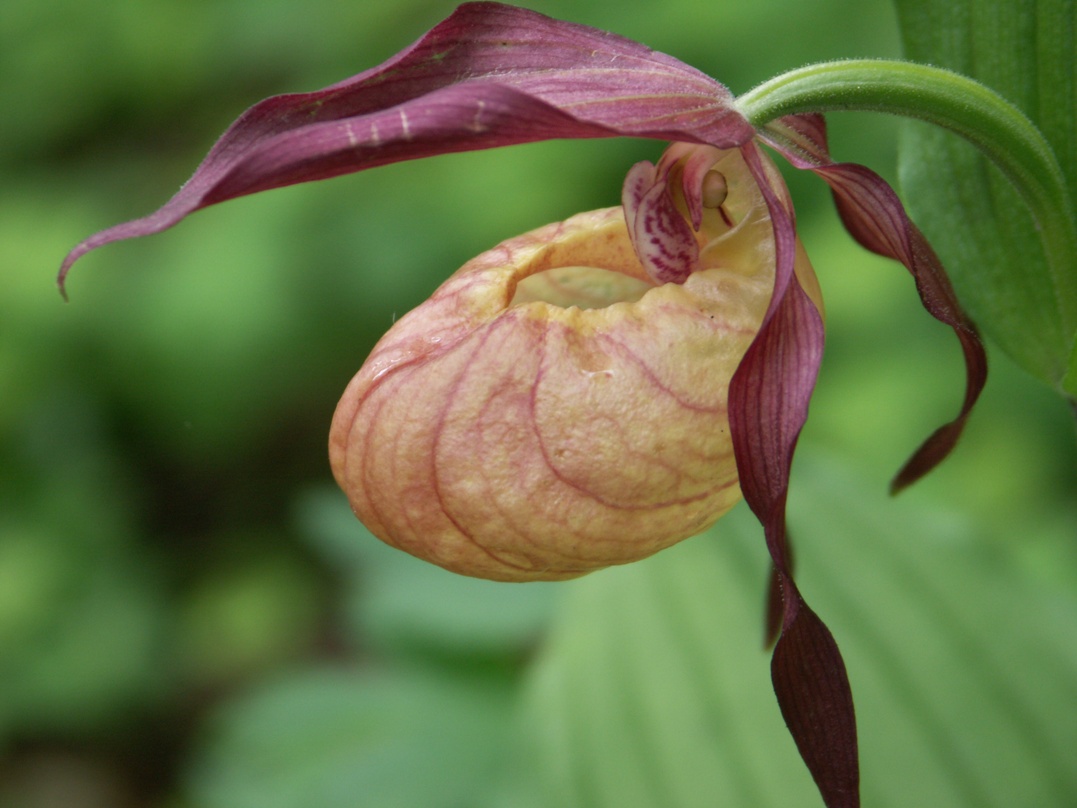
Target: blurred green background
(191,618)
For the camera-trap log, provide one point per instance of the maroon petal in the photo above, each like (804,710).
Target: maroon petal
(489,75)
(816,701)
(770,392)
(875,217)
(768,405)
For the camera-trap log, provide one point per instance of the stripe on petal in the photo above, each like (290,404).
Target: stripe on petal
(875,217)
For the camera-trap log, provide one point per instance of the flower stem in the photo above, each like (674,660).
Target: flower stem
(964,106)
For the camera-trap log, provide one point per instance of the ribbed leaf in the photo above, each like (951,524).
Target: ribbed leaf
(1024,49)
(653,689)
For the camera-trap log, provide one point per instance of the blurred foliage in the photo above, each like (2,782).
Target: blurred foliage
(189,616)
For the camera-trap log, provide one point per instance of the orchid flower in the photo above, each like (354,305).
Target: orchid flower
(598,389)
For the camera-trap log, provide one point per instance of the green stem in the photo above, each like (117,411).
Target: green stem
(955,102)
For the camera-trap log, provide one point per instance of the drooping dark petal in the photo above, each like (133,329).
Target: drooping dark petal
(489,75)
(664,241)
(768,405)
(816,701)
(874,216)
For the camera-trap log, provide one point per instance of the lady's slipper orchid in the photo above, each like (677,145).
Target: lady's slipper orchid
(596,390)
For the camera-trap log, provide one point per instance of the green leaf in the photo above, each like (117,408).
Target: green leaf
(1024,49)
(654,689)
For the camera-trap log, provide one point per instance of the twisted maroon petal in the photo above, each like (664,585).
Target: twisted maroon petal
(768,405)
(489,75)
(875,217)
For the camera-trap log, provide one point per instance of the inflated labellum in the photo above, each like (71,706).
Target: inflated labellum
(555,407)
